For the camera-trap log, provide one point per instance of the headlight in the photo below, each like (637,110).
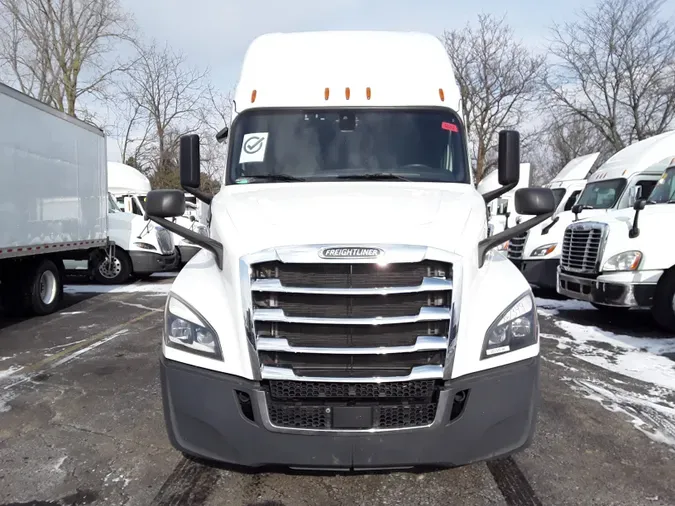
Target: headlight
(187,330)
(201,229)
(542,251)
(503,246)
(626,261)
(145,245)
(514,329)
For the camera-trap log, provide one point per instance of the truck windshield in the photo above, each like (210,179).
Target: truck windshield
(602,194)
(347,144)
(664,191)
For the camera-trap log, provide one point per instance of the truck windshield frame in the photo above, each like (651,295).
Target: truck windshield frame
(330,144)
(664,191)
(589,198)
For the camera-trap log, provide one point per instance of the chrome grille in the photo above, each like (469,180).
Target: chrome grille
(581,248)
(165,241)
(338,330)
(516,246)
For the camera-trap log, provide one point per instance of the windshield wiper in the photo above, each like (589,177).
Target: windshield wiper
(383,176)
(272,177)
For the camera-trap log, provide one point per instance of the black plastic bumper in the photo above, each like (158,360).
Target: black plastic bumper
(605,293)
(539,273)
(145,262)
(205,419)
(187,252)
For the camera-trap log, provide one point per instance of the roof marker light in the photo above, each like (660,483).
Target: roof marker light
(347,93)
(368,94)
(326,93)
(254,94)
(441,94)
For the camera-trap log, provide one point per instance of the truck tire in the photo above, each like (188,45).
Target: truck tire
(44,287)
(663,309)
(115,272)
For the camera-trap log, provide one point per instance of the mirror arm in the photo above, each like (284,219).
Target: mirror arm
(634,231)
(205,242)
(203,196)
(490,196)
(487,244)
(548,227)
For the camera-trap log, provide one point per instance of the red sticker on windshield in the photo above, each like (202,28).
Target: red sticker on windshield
(449,126)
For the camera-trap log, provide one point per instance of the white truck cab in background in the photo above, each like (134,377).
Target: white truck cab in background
(502,214)
(536,252)
(348,309)
(626,258)
(129,186)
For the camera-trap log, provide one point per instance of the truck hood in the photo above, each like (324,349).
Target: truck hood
(259,216)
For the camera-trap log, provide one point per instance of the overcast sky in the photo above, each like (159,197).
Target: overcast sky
(215,33)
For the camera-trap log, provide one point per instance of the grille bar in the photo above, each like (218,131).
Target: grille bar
(296,390)
(516,246)
(417,373)
(425,314)
(423,343)
(427,285)
(581,248)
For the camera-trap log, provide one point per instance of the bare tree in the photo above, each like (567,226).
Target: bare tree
(615,69)
(497,80)
(217,113)
(59,50)
(167,95)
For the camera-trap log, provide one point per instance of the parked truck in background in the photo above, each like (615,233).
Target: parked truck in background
(626,258)
(348,309)
(501,212)
(616,184)
(536,252)
(130,187)
(53,200)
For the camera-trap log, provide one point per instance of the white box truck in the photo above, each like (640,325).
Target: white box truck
(348,309)
(53,200)
(536,252)
(626,258)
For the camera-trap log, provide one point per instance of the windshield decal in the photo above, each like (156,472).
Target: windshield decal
(449,126)
(253,147)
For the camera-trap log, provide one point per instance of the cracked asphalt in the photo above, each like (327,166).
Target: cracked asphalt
(81,423)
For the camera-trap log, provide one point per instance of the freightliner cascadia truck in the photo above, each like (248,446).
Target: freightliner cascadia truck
(348,309)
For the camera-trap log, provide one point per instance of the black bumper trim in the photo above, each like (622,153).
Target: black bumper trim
(204,418)
(145,262)
(604,293)
(539,273)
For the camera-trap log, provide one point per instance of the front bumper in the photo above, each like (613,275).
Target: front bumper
(146,262)
(540,273)
(204,418)
(607,293)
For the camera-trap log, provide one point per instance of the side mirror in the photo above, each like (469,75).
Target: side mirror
(534,201)
(165,203)
(189,161)
(509,157)
(222,135)
(634,193)
(638,206)
(576,209)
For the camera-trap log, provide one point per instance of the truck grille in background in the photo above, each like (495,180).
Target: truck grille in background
(325,331)
(165,241)
(581,248)
(516,246)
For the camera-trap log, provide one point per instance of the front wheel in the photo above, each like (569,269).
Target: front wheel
(113,269)
(45,290)
(663,310)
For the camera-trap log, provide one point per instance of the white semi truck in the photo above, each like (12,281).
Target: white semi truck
(130,187)
(536,252)
(348,309)
(616,184)
(626,258)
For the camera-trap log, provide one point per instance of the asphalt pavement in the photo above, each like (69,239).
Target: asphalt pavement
(81,420)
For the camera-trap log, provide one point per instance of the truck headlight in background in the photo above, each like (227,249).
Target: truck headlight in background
(185,329)
(626,261)
(544,250)
(145,245)
(514,329)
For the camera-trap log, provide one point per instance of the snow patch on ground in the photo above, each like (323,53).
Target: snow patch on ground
(96,344)
(5,399)
(150,288)
(551,307)
(68,313)
(9,372)
(650,414)
(638,358)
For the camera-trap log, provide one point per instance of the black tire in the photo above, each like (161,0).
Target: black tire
(663,309)
(118,273)
(44,288)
